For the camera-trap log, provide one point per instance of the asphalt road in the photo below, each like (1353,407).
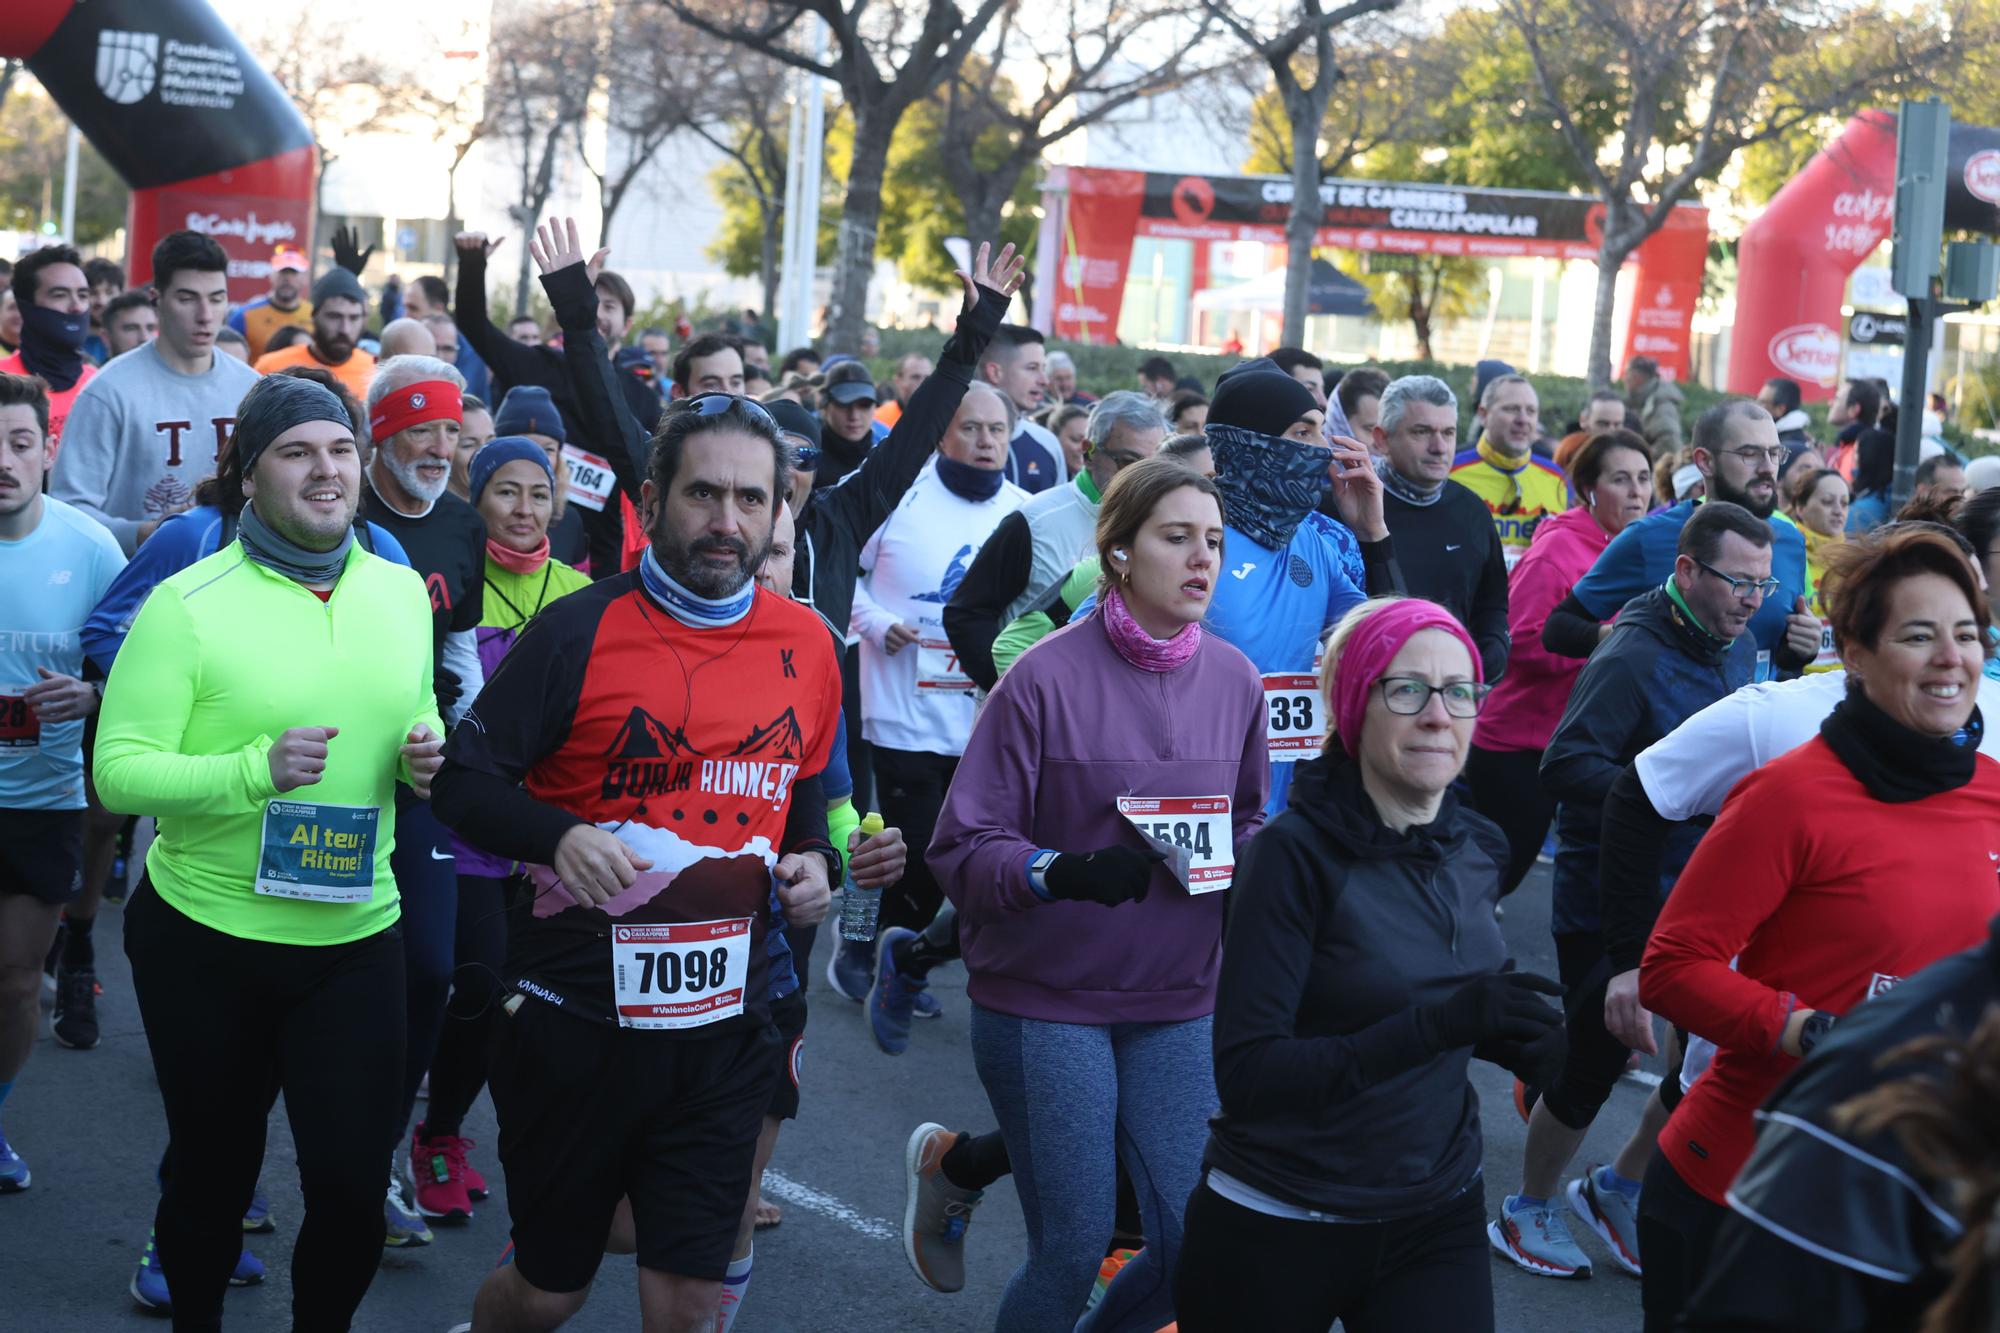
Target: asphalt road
(90,1125)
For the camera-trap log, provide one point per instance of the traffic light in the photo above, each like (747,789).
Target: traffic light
(1923,131)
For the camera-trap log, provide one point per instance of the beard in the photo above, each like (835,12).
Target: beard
(1722,490)
(684,564)
(407,475)
(302,527)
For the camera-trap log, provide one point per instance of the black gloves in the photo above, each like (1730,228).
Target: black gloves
(1110,875)
(1499,1007)
(347,251)
(1536,1063)
(447,686)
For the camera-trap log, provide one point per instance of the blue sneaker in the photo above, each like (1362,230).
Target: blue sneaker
(14,1175)
(149,1284)
(257,1221)
(926,1005)
(406,1226)
(249,1270)
(851,969)
(893,1000)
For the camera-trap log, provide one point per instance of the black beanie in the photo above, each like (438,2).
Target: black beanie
(1265,401)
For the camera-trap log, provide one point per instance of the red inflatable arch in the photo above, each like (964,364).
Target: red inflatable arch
(185,115)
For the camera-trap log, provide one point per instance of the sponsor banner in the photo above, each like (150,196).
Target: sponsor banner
(1878,330)
(1808,353)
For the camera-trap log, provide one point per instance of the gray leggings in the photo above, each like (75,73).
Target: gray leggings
(1073,1101)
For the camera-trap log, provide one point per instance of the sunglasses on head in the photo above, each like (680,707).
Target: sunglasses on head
(805,454)
(715,404)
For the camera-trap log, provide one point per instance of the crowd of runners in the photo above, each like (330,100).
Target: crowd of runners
(459,710)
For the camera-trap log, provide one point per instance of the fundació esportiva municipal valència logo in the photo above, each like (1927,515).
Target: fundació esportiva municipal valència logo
(127,64)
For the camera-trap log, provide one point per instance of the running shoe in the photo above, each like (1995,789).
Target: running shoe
(437,1174)
(257,1219)
(935,1211)
(149,1282)
(1106,1272)
(249,1270)
(1611,1213)
(926,1005)
(73,1021)
(851,970)
(1537,1239)
(14,1175)
(475,1184)
(406,1227)
(893,998)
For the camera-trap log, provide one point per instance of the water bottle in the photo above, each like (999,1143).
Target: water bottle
(860,907)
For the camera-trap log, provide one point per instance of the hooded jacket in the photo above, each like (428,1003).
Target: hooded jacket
(1656,670)
(1526,704)
(1339,930)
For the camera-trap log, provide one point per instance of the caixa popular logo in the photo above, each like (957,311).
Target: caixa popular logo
(1807,352)
(128,64)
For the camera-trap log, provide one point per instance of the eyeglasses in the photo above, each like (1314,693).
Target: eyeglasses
(1741,587)
(715,404)
(1409,696)
(1752,455)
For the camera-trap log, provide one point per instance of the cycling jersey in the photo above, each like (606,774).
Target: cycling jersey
(225,657)
(1519,492)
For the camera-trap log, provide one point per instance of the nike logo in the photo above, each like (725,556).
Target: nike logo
(440,856)
(1248,565)
(1452,546)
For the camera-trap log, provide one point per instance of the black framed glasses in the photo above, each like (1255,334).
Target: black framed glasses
(715,404)
(1741,587)
(1409,696)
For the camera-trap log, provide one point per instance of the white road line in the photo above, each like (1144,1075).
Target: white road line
(782,1187)
(1644,1076)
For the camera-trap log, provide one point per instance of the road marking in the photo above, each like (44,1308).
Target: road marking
(783,1187)
(1644,1076)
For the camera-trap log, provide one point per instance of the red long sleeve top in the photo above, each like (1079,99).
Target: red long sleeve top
(1822,903)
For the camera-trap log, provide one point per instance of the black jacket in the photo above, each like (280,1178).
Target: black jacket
(1338,931)
(1880,1228)
(1450,554)
(839,519)
(514,363)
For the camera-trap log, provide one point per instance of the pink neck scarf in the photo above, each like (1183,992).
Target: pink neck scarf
(1141,649)
(1372,647)
(518,562)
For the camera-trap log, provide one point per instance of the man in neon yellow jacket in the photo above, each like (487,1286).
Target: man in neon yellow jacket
(266,703)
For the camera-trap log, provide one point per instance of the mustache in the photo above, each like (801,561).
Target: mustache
(736,546)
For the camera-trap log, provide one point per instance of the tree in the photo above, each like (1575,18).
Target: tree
(1424,289)
(660,76)
(754,137)
(1698,81)
(1305,109)
(885,57)
(34,140)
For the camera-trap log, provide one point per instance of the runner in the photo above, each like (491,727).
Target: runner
(1342,1179)
(54,564)
(284,907)
(1819,506)
(339,317)
(1521,487)
(1118,766)
(650,747)
(414,416)
(1613,479)
(54,303)
(260,317)
(1780,925)
(512,486)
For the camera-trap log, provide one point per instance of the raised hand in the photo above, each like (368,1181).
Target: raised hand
(555,246)
(474,244)
(1003,274)
(347,251)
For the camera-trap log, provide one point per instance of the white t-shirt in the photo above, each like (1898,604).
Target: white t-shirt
(917,698)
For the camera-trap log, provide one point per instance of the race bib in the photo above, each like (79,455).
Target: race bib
(318,853)
(1195,833)
(1294,718)
(937,667)
(1512,555)
(20,726)
(590,478)
(1829,657)
(685,974)
(1763,671)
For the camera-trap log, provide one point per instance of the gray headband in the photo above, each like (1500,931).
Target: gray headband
(277,403)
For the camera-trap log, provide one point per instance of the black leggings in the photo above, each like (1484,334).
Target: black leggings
(458,1070)
(1506,787)
(1242,1269)
(1593,1059)
(911,786)
(232,1022)
(1677,1229)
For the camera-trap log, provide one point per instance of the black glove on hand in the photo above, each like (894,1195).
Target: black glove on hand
(1536,1063)
(447,686)
(1110,875)
(1502,1006)
(347,251)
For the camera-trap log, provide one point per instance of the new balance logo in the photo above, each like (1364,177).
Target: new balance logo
(58,577)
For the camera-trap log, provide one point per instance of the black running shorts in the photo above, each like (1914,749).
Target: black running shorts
(590,1114)
(789,1015)
(41,854)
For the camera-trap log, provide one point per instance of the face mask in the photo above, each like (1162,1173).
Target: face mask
(52,344)
(966,481)
(1268,484)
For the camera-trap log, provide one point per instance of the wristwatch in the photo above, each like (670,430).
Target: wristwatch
(1818,1023)
(1038,869)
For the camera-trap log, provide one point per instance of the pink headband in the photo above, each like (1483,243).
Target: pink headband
(1372,646)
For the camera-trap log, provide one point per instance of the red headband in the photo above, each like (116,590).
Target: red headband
(415,404)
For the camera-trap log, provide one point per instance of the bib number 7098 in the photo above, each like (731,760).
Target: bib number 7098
(680,975)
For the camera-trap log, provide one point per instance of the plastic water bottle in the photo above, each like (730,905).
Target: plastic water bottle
(860,907)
